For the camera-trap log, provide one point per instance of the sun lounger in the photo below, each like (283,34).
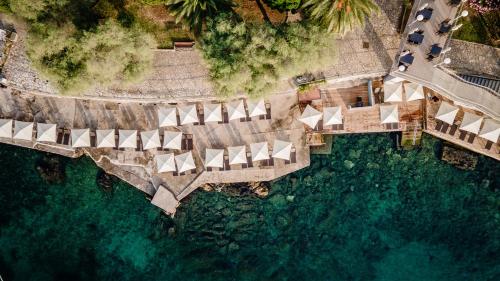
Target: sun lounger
(444,128)
(463,134)
(209,169)
(60,135)
(471,138)
(489,144)
(249,160)
(66,137)
(293,156)
(189,142)
(93,139)
(453,130)
(227,167)
(268,111)
(439,125)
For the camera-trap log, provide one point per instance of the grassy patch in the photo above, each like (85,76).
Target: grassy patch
(480,29)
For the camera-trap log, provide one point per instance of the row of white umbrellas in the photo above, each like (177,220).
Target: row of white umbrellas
(81,137)
(333,115)
(486,128)
(212,112)
(393,91)
(214,158)
(330,116)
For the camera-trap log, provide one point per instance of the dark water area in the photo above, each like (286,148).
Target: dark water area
(366,212)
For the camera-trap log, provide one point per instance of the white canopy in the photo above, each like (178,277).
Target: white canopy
(105,138)
(150,139)
(188,114)
(172,140)
(165,163)
(80,137)
(490,130)
(236,110)
(127,138)
(393,92)
(310,116)
(23,130)
(256,108)
(414,91)
(389,114)
(167,116)
(214,158)
(332,115)
(237,154)
(447,113)
(212,112)
(185,162)
(260,151)
(471,123)
(5,128)
(46,132)
(282,149)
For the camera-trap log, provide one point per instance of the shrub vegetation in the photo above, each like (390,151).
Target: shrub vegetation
(80,44)
(254,57)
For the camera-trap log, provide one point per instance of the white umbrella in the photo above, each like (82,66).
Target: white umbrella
(105,138)
(165,163)
(46,132)
(23,130)
(389,114)
(185,162)
(212,112)
(260,151)
(80,138)
(447,113)
(172,140)
(490,130)
(393,92)
(5,128)
(188,114)
(150,139)
(236,110)
(237,154)
(214,158)
(471,123)
(127,138)
(282,149)
(414,91)
(256,108)
(310,116)
(167,116)
(332,115)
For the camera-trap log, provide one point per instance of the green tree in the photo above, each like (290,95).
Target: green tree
(255,58)
(99,57)
(283,5)
(339,16)
(194,12)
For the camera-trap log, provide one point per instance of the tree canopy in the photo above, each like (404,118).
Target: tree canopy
(339,16)
(80,44)
(283,5)
(194,12)
(254,58)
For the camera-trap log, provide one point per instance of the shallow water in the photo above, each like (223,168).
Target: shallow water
(366,212)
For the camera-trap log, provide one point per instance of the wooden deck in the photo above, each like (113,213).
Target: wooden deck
(458,137)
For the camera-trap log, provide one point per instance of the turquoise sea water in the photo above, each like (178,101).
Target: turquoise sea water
(366,212)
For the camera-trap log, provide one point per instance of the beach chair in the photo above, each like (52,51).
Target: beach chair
(227,167)
(249,160)
(268,111)
(445,128)
(471,138)
(462,135)
(489,144)
(439,125)
(453,130)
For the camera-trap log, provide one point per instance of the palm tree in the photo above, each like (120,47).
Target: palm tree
(339,16)
(194,12)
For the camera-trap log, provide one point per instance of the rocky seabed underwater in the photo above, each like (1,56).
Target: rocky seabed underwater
(368,211)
